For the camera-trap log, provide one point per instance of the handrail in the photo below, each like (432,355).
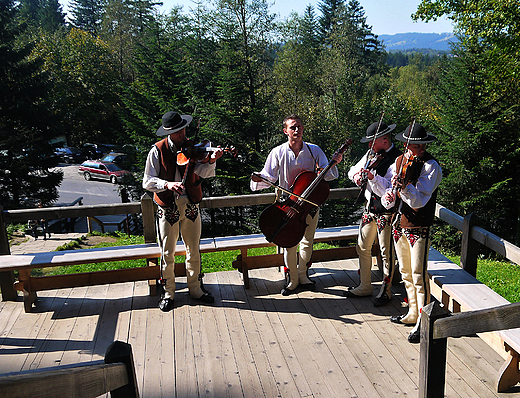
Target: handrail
(482,236)
(437,324)
(114,374)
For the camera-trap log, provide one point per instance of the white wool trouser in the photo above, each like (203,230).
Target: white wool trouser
(374,226)
(411,246)
(296,261)
(183,217)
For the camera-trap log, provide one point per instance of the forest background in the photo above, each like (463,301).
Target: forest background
(109,73)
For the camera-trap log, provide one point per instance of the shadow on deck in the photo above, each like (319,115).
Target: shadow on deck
(251,342)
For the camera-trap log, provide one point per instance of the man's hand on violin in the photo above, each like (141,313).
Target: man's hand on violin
(176,187)
(397,182)
(217,154)
(361,177)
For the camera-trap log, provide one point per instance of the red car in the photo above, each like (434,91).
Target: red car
(101,170)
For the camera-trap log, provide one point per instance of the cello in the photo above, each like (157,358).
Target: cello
(284,223)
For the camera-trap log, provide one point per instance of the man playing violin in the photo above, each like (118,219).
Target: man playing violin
(175,213)
(284,163)
(376,220)
(412,188)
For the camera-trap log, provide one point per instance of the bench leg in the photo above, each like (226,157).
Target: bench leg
(29,297)
(152,283)
(509,374)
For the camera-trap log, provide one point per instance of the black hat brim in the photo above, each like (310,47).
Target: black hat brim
(380,134)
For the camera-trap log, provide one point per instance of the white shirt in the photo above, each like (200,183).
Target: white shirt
(415,196)
(151,180)
(283,165)
(371,184)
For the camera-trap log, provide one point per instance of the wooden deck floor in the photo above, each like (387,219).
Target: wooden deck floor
(249,343)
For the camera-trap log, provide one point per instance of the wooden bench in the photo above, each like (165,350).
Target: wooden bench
(459,291)
(151,252)
(29,285)
(244,263)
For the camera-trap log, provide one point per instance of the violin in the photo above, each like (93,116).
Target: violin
(191,153)
(406,171)
(284,223)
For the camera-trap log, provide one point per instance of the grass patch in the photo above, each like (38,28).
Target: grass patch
(501,276)
(211,262)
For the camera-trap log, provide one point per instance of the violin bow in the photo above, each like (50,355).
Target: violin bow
(285,190)
(412,125)
(374,140)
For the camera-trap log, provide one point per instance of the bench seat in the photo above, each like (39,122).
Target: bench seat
(244,263)
(459,291)
(24,263)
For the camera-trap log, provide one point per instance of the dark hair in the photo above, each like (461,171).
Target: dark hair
(290,117)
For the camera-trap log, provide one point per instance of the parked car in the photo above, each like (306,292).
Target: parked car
(95,151)
(70,155)
(104,171)
(118,158)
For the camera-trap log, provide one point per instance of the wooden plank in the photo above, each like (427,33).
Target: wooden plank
(269,287)
(90,380)
(185,368)
(159,363)
(137,331)
(276,368)
(81,344)
(58,337)
(254,333)
(237,242)
(94,278)
(242,336)
(85,256)
(359,336)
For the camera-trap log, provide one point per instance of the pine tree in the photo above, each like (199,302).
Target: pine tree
(27,174)
(87,15)
(329,12)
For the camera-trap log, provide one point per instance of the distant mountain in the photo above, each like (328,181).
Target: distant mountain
(408,41)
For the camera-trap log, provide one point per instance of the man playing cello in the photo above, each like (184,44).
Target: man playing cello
(284,163)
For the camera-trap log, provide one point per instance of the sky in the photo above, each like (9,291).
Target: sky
(385,16)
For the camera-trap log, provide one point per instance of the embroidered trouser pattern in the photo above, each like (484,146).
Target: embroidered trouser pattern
(411,246)
(184,218)
(372,226)
(296,261)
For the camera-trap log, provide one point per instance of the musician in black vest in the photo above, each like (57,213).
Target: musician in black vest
(375,221)
(175,212)
(413,191)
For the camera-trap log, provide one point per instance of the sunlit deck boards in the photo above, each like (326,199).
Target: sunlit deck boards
(250,343)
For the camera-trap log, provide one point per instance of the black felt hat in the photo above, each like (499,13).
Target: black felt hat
(173,122)
(419,135)
(371,131)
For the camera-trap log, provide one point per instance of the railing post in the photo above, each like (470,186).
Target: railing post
(122,352)
(6,277)
(469,247)
(432,365)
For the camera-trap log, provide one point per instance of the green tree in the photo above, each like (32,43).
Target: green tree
(479,111)
(87,15)
(45,14)
(27,173)
(329,14)
(52,17)
(85,86)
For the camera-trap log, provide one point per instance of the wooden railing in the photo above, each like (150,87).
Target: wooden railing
(116,374)
(437,324)
(50,213)
(472,236)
